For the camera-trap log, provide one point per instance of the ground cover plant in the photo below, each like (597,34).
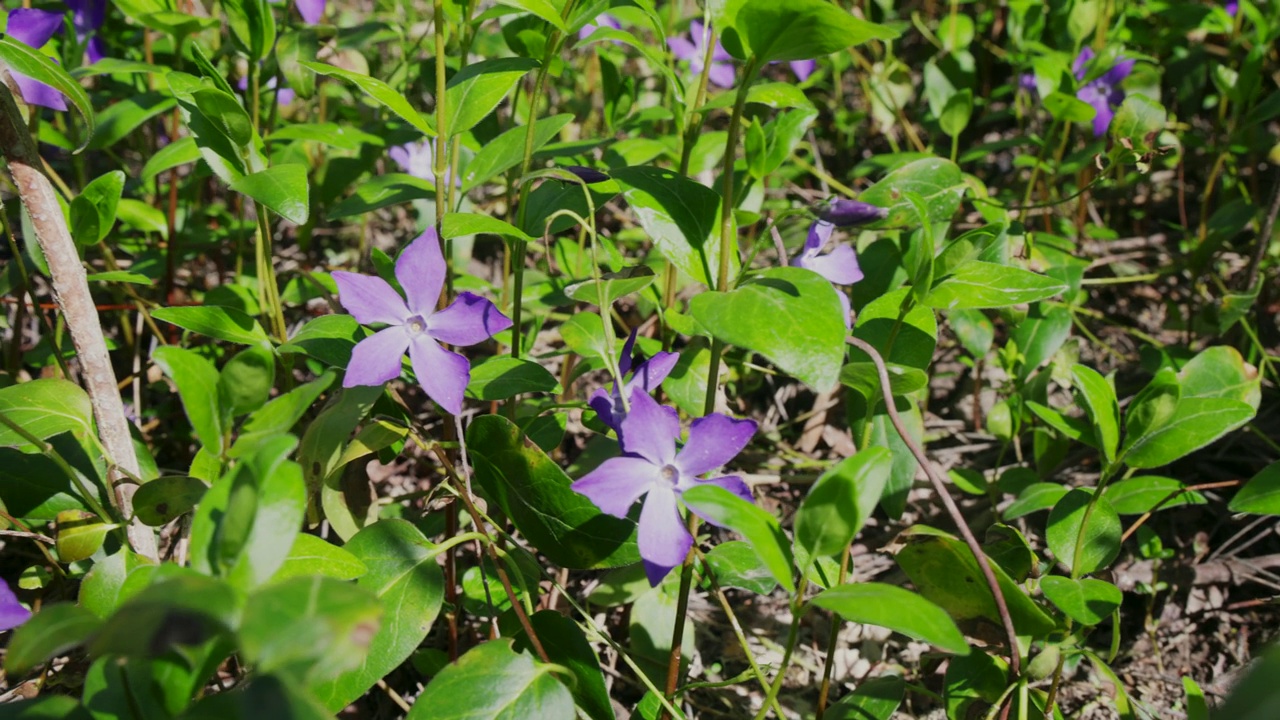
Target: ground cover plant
(625,358)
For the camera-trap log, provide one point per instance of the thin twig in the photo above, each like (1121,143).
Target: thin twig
(1264,238)
(1015,655)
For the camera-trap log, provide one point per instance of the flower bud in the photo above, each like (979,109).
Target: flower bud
(850,213)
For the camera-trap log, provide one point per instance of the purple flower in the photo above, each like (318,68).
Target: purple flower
(651,464)
(416,325)
(284,97)
(839,267)
(602,20)
(1232,7)
(419,160)
(803,68)
(647,377)
(12,614)
(311,10)
(843,212)
(33,28)
(721,73)
(1027,82)
(87,17)
(1103,93)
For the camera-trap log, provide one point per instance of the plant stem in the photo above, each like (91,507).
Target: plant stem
(797,612)
(682,611)
(829,665)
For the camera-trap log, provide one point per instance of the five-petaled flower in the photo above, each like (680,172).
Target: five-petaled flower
(33,28)
(416,325)
(12,614)
(652,466)
(647,377)
(694,52)
(1103,93)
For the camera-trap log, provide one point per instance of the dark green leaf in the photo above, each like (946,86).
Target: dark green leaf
(164,499)
(795,30)
(897,609)
(197,382)
(1087,601)
(874,699)
(382,191)
(681,215)
(502,376)
(1097,531)
(1261,495)
(221,323)
(760,529)
(565,644)
(841,501)
(498,683)
(282,188)
(735,564)
(58,627)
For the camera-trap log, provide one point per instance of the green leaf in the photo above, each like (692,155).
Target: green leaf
(313,628)
(252,25)
(1135,496)
(1139,119)
(403,574)
(178,607)
(498,684)
(501,377)
(380,92)
(282,188)
(945,572)
(566,645)
(1087,601)
(245,383)
(103,588)
(735,564)
(220,323)
(865,378)
(1033,498)
(795,30)
(1261,495)
(122,118)
(36,65)
(1068,108)
(939,183)
(841,501)
(80,535)
(475,90)
(164,499)
(462,224)
(1071,519)
(534,492)
(321,453)
(875,698)
(311,555)
(681,215)
(1196,423)
(1040,335)
(103,195)
(1151,408)
(1099,401)
(332,134)
(507,150)
(904,339)
(760,528)
(897,609)
(543,9)
(382,191)
(956,113)
(612,285)
(197,382)
(1220,372)
(45,408)
(977,284)
(795,322)
(328,338)
(226,113)
(278,416)
(57,628)
(34,487)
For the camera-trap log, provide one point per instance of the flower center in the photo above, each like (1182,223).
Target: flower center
(416,325)
(670,474)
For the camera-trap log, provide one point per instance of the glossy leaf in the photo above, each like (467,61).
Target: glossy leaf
(383,191)
(502,376)
(1195,423)
(475,90)
(197,382)
(1137,495)
(977,284)
(937,182)
(794,30)
(499,684)
(507,150)
(874,699)
(760,528)
(1099,401)
(841,501)
(897,609)
(566,645)
(44,408)
(381,92)
(462,224)
(221,323)
(681,215)
(612,285)
(37,66)
(1070,520)
(736,565)
(1087,601)
(311,555)
(278,416)
(282,188)
(534,492)
(403,574)
(245,383)
(164,499)
(1261,495)
(80,535)
(796,322)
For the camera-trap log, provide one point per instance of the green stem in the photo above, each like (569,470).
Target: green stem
(797,613)
(682,611)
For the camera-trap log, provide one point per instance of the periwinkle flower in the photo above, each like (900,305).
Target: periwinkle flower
(33,28)
(1027,82)
(1232,7)
(416,325)
(87,17)
(839,267)
(653,467)
(694,52)
(419,160)
(844,213)
(284,97)
(601,20)
(310,10)
(803,68)
(588,176)
(12,614)
(1103,93)
(647,377)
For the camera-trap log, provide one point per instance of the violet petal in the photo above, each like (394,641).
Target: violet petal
(839,266)
(803,68)
(682,49)
(32,27)
(664,540)
(443,375)
(1081,63)
(722,74)
(12,614)
(311,10)
(650,430)
(606,409)
(37,93)
(650,373)
(376,359)
(370,299)
(714,440)
(1118,72)
(628,348)
(470,319)
(420,270)
(617,483)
